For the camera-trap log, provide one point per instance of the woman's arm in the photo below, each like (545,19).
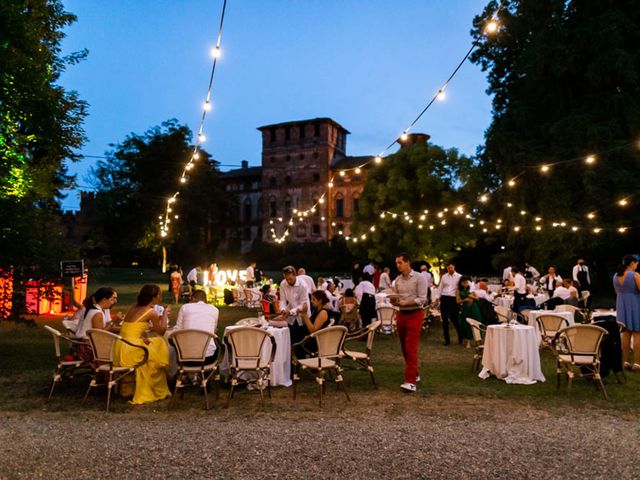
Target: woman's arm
(159,324)
(458,298)
(97,321)
(636,276)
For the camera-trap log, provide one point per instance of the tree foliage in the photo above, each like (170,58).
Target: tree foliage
(40,126)
(565,80)
(414,180)
(133,185)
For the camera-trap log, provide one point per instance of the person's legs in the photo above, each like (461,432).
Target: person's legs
(455,314)
(401,324)
(625,337)
(445,314)
(412,342)
(636,347)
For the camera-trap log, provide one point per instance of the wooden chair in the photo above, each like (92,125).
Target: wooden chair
(103,344)
(363,359)
(244,347)
(549,325)
(387,318)
(350,317)
(478,330)
(579,346)
(191,351)
(65,367)
(330,342)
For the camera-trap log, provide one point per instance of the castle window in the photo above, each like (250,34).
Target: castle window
(272,135)
(301,231)
(247,210)
(316,154)
(288,158)
(273,159)
(287,180)
(273,182)
(339,206)
(316,129)
(356,205)
(316,177)
(287,133)
(287,206)
(302,132)
(315,231)
(301,156)
(246,234)
(273,207)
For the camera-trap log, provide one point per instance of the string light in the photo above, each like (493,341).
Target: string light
(207,106)
(377,159)
(544,168)
(511,183)
(623,202)
(590,160)
(216,52)
(404,136)
(491,27)
(441,95)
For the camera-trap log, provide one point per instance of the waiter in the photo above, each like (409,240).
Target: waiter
(411,290)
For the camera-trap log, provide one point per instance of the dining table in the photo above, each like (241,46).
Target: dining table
(511,354)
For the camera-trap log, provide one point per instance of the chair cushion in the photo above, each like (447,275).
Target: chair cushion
(577,359)
(355,354)
(313,363)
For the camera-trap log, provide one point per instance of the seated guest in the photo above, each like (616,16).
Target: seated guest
(348,300)
(561,290)
(200,316)
(319,319)
(269,302)
(334,300)
(469,309)
(96,313)
(482,292)
(322,283)
(151,378)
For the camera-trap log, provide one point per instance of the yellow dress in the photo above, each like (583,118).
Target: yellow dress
(151,378)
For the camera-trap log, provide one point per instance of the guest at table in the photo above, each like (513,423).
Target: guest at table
(520,289)
(469,308)
(268,301)
(151,378)
(626,283)
(385,280)
(294,298)
(548,281)
(365,296)
(348,299)
(175,281)
(96,315)
(412,290)
(447,292)
(530,271)
(199,315)
(320,312)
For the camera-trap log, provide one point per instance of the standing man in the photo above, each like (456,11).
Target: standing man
(412,290)
(581,275)
(306,280)
(424,271)
(385,279)
(549,281)
(448,305)
(520,291)
(294,299)
(251,275)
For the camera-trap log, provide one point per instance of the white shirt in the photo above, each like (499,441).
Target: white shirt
(370,269)
(85,323)
(520,283)
(192,276)
(199,316)
(428,277)
(333,301)
(385,281)
(323,286)
(546,282)
(532,270)
(448,285)
(412,286)
(580,268)
(292,298)
(308,282)
(480,293)
(364,287)
(562,293)
(506,274)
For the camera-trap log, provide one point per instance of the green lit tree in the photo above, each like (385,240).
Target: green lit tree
(415,179)
(565,80)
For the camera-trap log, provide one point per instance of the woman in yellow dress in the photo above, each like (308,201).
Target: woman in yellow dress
(151,378)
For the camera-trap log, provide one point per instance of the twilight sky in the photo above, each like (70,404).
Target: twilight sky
(371,65)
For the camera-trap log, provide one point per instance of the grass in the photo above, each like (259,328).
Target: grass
(27,362)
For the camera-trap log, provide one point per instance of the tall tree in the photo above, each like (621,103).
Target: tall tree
(416,179)
(133,185)
(565,80)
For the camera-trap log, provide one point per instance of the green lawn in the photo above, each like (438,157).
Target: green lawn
(27,362)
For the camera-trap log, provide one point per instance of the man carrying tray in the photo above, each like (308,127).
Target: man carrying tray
(410,294)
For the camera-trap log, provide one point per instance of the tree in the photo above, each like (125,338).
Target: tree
(40,126)
(419,180)
(565,80)
(133,186)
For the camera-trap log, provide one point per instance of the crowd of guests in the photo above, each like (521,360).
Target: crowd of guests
(304,306)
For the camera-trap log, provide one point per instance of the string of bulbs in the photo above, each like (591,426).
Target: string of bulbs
(200,138)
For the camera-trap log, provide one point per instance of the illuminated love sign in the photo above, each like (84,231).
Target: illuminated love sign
(222,277)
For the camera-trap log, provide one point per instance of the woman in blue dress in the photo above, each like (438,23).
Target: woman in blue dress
(626,282)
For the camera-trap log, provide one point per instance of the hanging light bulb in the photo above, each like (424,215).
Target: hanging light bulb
(484,198)
(590,160)
(544,168)
(342,173)
(207,106)
(357,170)
(404,136)
(196,156)
(622,229)
(623,202)
(441,95)
(378,159)
(201,137)
(511,183)
(330,184)
(183,179)
(591,215)
(216,52)
(491,27)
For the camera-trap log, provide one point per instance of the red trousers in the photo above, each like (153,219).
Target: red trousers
(409,328)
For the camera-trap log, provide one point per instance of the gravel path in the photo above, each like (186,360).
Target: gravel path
(417,438)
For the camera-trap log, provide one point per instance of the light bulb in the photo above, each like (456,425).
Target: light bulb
(330,184)
(591,216)
(544,168)
(207,106)
(491,27)
(623,203)
(404,136)
(183,179)
(342,173)
(196,156)
(321,200)
(484,198)
(215,52)
(202,137)
(378,159)
(373,228)
(511,183)
(590,160)
(441,95)
(357,170)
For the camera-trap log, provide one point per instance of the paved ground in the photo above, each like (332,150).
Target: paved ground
(400,437)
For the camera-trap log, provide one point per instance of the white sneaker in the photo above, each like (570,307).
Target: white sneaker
(417,378)
(408,387)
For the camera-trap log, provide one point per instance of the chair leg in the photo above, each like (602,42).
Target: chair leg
(230,393)
(91,385)
(340,383)
(320,380)
(56,379)
(373,378)
(260,386)
(296,378)
(206,394)
(109,386)
(599,383)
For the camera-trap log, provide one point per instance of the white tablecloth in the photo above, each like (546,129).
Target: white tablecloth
(281,366)
(507,301)
(511,354)
(532,315)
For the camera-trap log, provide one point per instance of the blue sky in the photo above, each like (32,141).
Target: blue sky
(371,65)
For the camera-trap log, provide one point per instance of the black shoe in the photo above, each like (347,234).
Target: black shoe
(446,344)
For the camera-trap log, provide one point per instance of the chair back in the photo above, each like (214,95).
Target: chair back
(550,324)
(349,313)
(70,326)
(371,334)
(330,341)
(56,339)
(566,308)
(476,328)
(191,344)
(102,344)
(583,339)
(503,313)
(246,343)
(386,315)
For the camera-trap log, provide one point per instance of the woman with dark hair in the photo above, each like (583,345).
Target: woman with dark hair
(96,311)
(151,378)
(469,309)
(626,282)
(320,316)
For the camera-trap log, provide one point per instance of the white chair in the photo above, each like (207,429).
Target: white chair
(504,313)
(363,359)
(245,346)
(103,344)
(65,368)
(387,318)
(549,325)
(191,351)
(478,330)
